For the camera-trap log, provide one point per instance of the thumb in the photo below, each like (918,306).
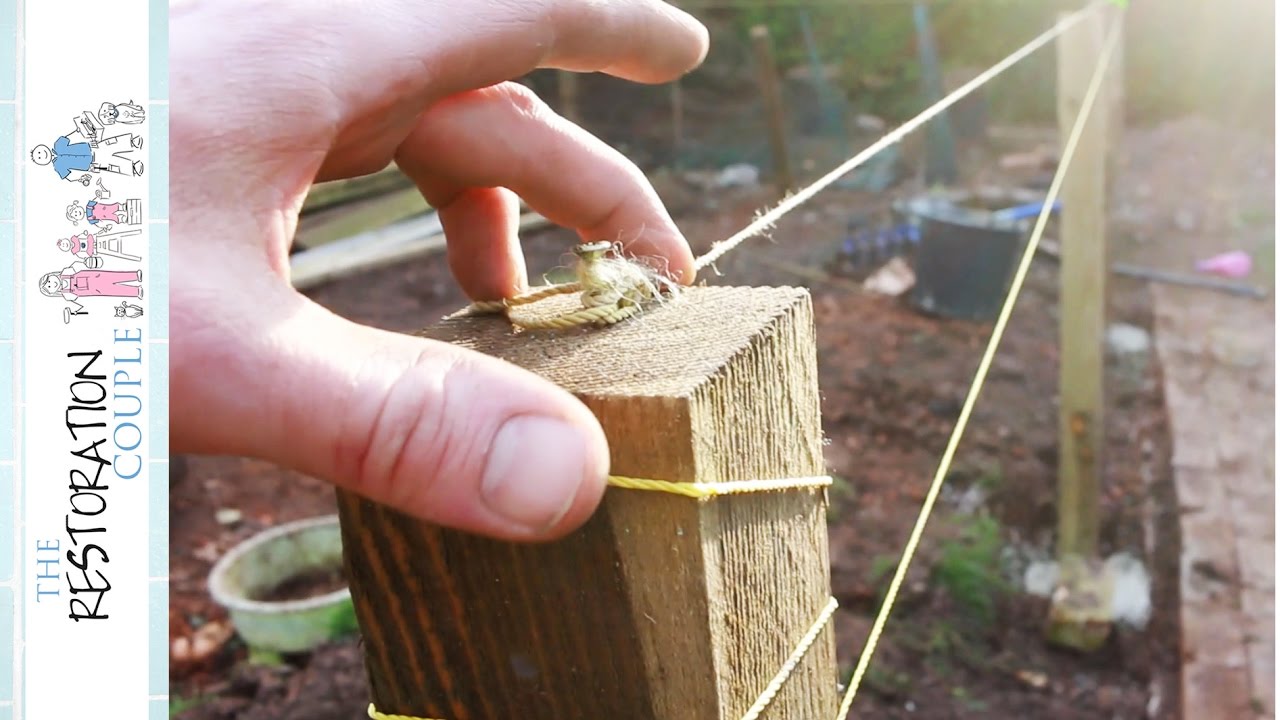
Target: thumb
(442,433)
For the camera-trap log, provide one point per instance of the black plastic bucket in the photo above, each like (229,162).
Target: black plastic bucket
(965,260)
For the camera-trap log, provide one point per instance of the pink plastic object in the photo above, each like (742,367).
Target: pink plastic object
(1234,264)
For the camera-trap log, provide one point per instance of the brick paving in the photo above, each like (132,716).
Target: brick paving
(1218,358)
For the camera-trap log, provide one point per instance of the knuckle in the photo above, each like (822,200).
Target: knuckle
(411,442)
(524,100)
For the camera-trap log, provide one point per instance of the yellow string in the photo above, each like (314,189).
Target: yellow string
(701,490)
(980,377)
(771,691)
(608,313)
(761,704)
(768,219)
(379,715)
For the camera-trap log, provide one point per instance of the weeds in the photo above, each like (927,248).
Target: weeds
(969,568)
(841,493)
(888,683)
(179,704)
(882,566)
(991,479)
(962,695)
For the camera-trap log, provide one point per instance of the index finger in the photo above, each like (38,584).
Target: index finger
(427,50)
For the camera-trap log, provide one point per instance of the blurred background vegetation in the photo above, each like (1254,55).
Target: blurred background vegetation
(1179,53)
(1213,57)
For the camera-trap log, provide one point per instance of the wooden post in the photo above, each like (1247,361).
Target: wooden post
(1115,102)
(677,124)
(568,84)
(771,92)
(1083,303)
(941,166)
(661,606)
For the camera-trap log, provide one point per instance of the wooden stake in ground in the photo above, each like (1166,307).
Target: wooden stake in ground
(569,108)
(677,124)
(1083,298)
(661,606)
(1115,102)
(771,92)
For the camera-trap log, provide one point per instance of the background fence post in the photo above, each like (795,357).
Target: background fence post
(567,84)
(771,92)
(677,124)
(1115,99)
(1083,300)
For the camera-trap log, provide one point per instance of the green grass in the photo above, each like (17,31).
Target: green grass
(882,567)
(888,683)
(968,569)
(343,622)
(1258,222)
(179,704)
(1264,258)
(842,493)
(991,479)
(962,695)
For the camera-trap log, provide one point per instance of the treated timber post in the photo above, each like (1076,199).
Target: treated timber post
(1083,293)
(677,124)
(1115,102)
(775,114)
(568,87)
(661,607)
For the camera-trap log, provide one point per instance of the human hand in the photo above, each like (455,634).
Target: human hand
(433,430)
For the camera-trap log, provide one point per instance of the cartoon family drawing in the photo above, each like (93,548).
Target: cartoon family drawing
(85,150)
(125,309)
(129,113)
(107,214)
(78,281)
(128,310)
(90,247)
(98,144)
(85,278)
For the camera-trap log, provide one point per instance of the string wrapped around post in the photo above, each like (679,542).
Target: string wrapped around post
(706,491)
(609,299)
(766,697)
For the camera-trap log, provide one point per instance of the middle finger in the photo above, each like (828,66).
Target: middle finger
(505,136)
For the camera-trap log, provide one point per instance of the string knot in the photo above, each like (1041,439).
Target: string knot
(612,287)
(608,278)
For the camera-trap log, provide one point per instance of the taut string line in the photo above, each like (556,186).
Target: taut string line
(647,286)
(975,388)
(614,289)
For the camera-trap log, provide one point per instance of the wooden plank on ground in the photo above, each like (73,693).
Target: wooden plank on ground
(325,195)
(377,248)
(342,221)
(1215,359)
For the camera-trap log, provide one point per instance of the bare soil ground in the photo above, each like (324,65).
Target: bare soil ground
(893,381)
